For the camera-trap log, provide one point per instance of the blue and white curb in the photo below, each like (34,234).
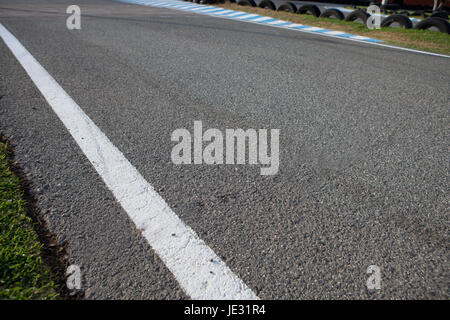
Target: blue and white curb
(247,17)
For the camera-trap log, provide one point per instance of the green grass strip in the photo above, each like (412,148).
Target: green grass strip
(23,276)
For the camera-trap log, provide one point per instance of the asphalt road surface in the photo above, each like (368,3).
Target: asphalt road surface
(364,152)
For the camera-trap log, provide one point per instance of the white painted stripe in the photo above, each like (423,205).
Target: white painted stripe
(262,19)
(210,10)
(197,8)
(247,16)
(359,38)
(292,25)
(218,10)
(206,9)
(223,12)
(277,22)
(335,32)
(236,13)
(200,272)
(312,29)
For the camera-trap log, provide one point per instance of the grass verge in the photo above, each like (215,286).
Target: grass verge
(23,275)
(431,41)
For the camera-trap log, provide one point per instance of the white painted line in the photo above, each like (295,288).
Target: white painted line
(407,49)
(200,272)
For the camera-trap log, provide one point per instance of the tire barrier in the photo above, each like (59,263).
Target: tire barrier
(438,19)
(249,3)
(358,14)
(441,24)
(402,20)
(439,14)
(288,7)
(333,13)
(267,4)
(312,9)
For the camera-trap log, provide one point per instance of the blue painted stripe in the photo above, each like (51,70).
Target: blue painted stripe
(282,24)
(372,40)
(238,15)
(223,10)
(344,35)
(300,27)
(267,20)
(210,10)
(252,18)
(217,10)
(321,31)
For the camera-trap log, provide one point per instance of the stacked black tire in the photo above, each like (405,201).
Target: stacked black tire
(434,23)
(249,3)
(402,20)
(438,20)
